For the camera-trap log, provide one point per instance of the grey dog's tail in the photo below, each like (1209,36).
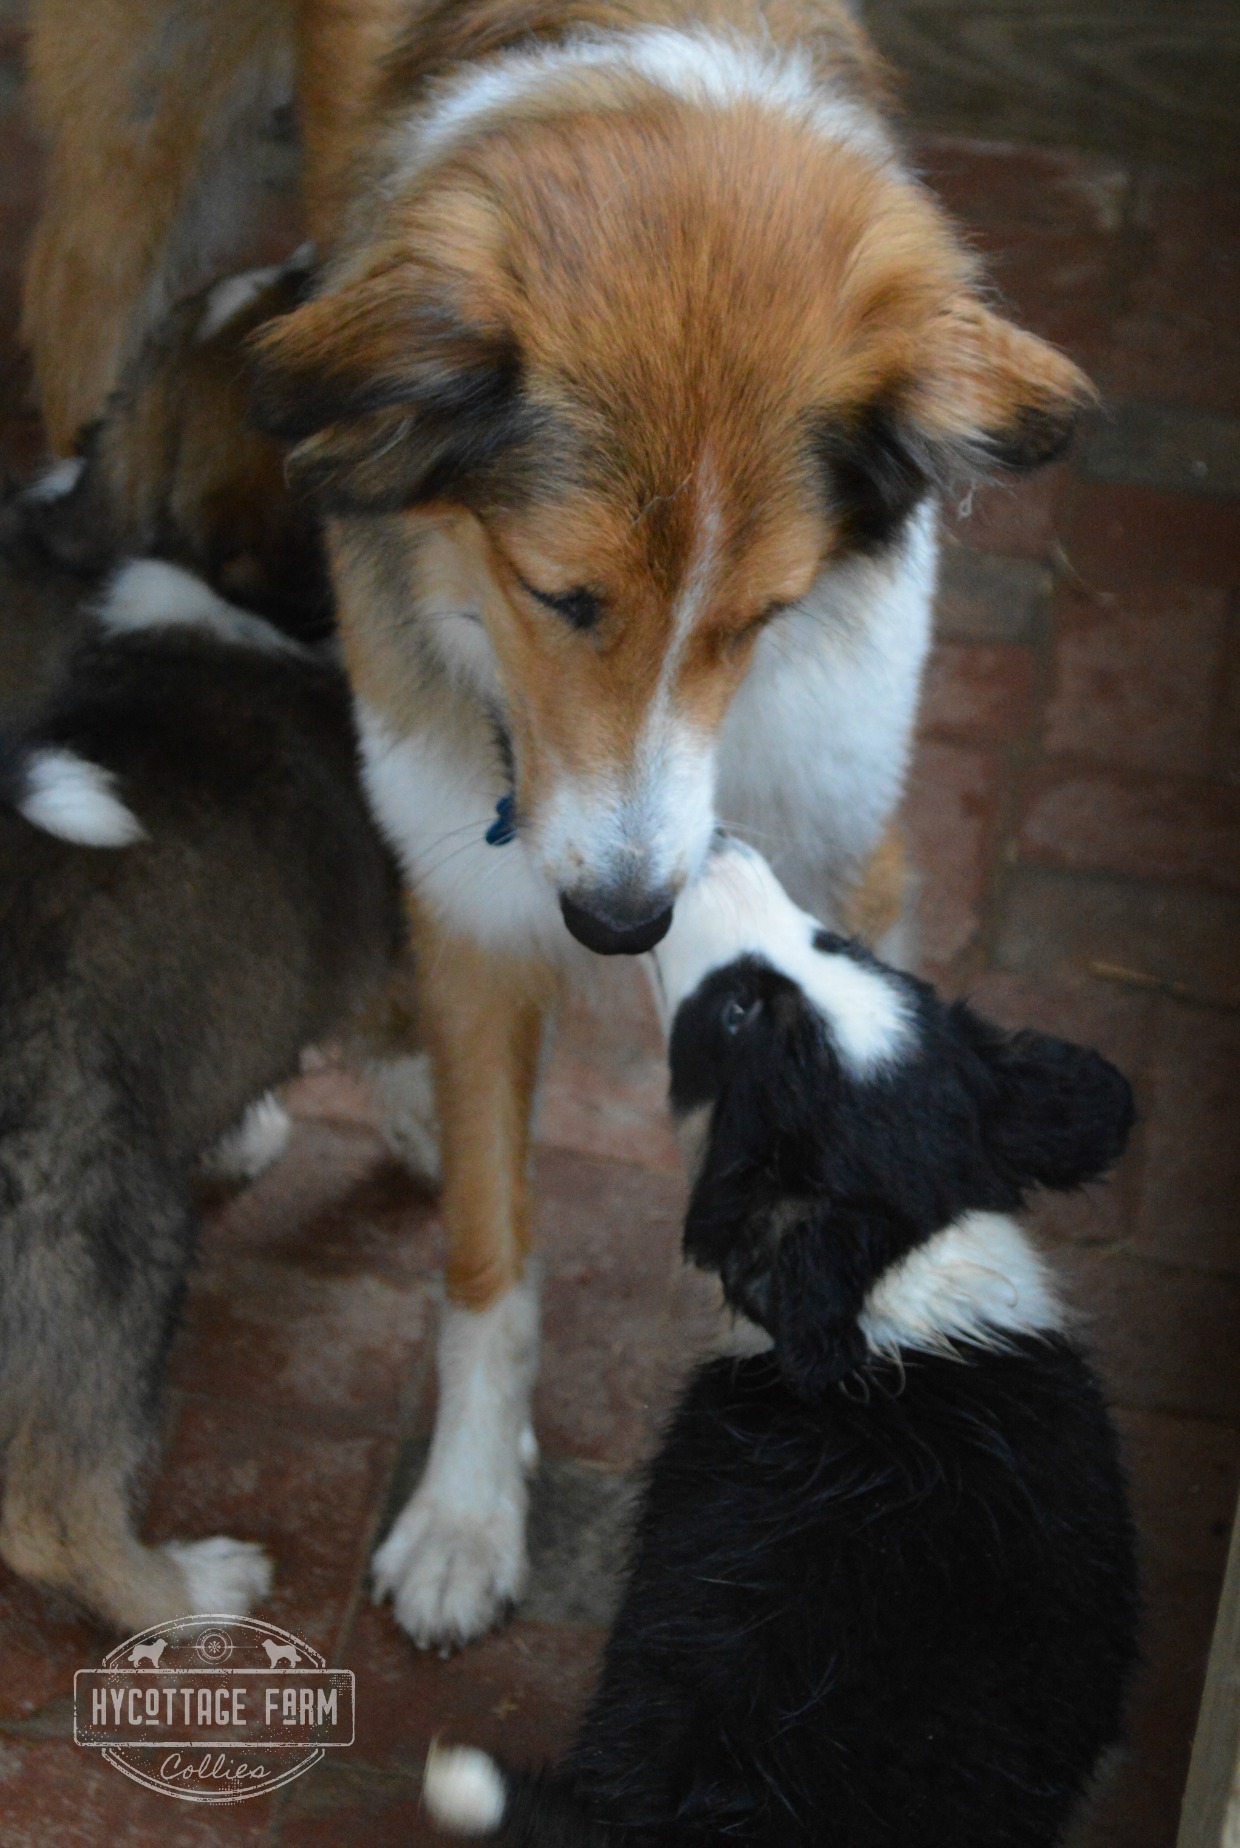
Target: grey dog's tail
(63,794)
(469,1793)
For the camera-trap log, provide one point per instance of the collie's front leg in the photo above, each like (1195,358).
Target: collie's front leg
(455,1558)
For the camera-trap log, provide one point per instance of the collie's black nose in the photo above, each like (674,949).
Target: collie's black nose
(613,928)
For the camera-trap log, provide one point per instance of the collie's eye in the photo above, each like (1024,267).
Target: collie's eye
(580,608)
(735,1014)
(753,629)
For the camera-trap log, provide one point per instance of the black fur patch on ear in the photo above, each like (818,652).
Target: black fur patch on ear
(420,453)
(450,371)
(1039,435)
(392,406)
(1061,1115)
(874,480)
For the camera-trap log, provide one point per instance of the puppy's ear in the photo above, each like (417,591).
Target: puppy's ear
(824,1270)
(1062,1114)
(987,396)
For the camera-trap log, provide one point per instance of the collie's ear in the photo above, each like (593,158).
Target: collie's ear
(989,396)
(1062,1114)
(392,392)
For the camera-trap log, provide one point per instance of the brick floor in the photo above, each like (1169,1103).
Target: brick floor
(1075,812)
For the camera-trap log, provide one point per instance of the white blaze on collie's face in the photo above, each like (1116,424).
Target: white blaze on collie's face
(738,908)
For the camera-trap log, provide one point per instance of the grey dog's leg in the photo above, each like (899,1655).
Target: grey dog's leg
(93,1284)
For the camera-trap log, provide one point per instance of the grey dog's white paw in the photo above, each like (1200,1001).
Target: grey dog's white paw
(221,1574)
(452,1575)
(405,1093)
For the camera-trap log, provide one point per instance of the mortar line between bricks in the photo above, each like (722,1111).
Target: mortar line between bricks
(1226,667)
(1019,759)
(1079,763)
(1179,1414)
(321,1420)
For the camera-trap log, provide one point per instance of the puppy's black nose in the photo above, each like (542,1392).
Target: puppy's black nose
(613,929)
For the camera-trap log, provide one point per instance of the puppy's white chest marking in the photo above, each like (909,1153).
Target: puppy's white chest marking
(974,1284)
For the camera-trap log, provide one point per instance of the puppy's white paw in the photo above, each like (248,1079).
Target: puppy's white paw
(222,1575)
(256,1144)
(528,1454)
(452,1575)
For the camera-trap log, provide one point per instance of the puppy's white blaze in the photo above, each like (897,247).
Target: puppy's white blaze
(231,297)
(147,593)
(974,1284)
(464,1790)
(738,908)
(709,70)
(75,800)
(57,481)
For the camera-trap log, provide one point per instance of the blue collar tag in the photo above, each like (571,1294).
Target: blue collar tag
(504,828)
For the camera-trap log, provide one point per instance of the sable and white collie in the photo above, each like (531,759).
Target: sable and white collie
(638,358)
(883,1585)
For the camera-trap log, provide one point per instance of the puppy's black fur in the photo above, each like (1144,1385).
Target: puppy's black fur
(880,1597)
(149,994)
(854,1174)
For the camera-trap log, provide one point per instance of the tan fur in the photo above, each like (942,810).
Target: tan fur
(67,1525)
(139,101)
(878,900)
(483,1021)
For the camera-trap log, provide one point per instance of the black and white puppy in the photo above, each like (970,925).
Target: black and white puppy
(883,1591)
(191,891)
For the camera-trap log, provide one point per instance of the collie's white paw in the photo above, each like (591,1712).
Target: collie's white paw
(222,1575)
(452,1575)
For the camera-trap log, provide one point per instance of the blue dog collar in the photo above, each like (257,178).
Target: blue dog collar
(504,828)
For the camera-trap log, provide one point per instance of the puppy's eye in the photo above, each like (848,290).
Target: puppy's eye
(580,608)
(737,1015)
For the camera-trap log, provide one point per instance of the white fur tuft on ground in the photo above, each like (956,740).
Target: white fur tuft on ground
(464,1790)
(257,1143)
(57,481)
(75,800)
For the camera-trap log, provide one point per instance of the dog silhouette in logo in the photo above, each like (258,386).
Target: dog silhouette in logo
(148,1652)
(278,1653)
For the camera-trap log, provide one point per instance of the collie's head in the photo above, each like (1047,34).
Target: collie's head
(636,347)
(840,1116)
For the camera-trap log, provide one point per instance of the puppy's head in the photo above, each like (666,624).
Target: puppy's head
(840,1114)
(175,469)
(641,348)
